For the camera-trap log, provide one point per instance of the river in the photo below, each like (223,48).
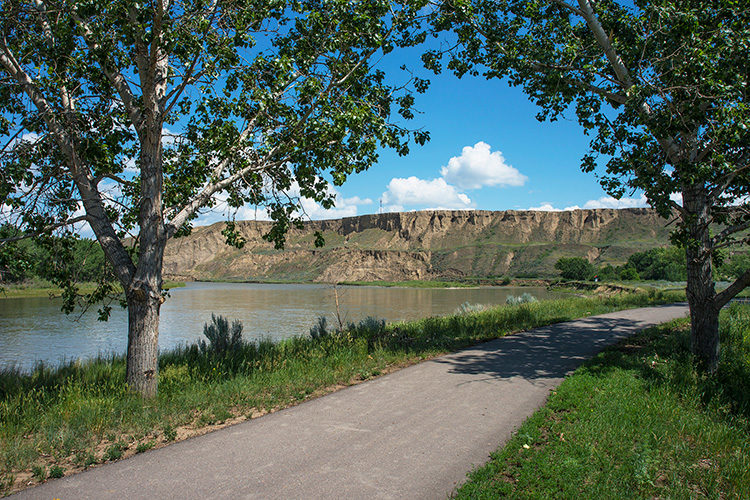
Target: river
(34,329)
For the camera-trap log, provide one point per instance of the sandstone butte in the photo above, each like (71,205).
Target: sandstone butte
(438,244)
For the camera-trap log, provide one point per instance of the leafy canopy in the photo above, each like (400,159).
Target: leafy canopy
(660,86)
(257,102)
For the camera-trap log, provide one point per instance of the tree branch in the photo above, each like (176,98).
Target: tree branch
(730,230)
(46,229)
(623,75)
(96,214)
(721,299)
(115,77)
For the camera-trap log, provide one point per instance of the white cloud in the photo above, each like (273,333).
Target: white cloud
(548,207)
(603,202)
(415,191)
(478,166)
(610,202)
(545,207)
(676,197)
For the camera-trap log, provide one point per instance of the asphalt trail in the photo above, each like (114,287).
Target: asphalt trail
(412,434)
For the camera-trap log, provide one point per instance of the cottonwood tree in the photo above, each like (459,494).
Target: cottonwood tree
(661,87)
(131,116)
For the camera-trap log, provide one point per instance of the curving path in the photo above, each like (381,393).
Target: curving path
(412,434)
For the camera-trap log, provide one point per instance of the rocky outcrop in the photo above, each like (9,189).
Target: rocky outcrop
(419,245)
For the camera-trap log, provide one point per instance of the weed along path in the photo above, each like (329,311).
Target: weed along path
(412,434)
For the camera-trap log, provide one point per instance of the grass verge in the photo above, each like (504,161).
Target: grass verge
(81,414)
(637,421)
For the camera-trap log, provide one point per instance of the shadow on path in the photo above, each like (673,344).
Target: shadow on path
(548,352)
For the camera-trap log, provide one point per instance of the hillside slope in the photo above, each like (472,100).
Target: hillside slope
(419,245)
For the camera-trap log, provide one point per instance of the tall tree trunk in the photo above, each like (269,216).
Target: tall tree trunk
(701,294)
(144,292)
(143,343)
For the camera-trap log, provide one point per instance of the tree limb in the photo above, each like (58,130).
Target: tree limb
(730,230)
(115,77)
(721,299)
(46,229)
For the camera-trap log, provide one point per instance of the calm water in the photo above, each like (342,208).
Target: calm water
(33,329)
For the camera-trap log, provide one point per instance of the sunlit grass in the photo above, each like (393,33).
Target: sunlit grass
(637,421)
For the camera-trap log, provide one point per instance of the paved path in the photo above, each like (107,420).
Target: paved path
(412,434)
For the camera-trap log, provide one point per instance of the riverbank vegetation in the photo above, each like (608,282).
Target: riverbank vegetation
(637,421)
(81,414)
(655,264)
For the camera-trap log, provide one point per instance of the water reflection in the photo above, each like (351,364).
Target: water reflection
(34,329)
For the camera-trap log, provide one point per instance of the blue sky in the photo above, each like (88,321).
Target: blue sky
(487,152)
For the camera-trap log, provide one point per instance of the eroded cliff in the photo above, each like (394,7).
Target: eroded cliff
(419,245)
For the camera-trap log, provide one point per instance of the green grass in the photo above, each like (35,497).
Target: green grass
(82,413)
(637,421)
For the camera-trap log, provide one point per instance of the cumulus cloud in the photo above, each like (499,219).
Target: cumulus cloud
(435,193)
(478,166)
(545,207)
(603,202)
(610,202)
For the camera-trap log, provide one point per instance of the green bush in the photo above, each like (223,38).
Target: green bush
(629,274)
(221,339)
(524,298)
(320,329)
(575,268)
(660,264)
(735,266)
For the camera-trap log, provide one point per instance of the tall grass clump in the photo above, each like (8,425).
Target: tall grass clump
(70,415)
(524,298)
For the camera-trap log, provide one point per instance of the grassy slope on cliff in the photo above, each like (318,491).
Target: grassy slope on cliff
(82,413)
(637,421)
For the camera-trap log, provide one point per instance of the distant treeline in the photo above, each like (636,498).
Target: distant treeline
(666,264)
(49,258)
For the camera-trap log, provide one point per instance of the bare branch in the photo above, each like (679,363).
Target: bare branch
(113,177)
(720,188)
(46,229)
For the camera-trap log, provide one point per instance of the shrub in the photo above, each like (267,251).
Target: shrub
(467,308)
(39,472)
(370,326)
(114,452)
(320,329)
(629,274)
(521,299)
(660,264)
(607,273)
(575,268)
(221,339)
